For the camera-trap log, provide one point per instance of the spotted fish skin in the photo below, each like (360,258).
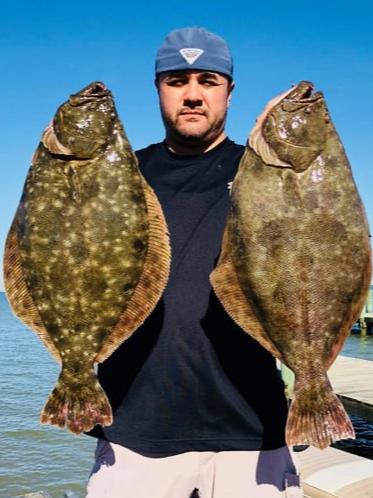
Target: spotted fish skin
(295,267)
(87,256)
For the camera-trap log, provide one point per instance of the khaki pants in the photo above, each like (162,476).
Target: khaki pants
(122,473)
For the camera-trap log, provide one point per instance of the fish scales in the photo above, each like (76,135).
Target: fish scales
(88,255)
(295,267)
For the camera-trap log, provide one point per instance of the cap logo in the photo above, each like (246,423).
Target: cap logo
(191,54)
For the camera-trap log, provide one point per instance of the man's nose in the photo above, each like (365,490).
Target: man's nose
(193,92)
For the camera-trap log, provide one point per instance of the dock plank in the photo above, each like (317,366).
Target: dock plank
(334,473)
(351,379)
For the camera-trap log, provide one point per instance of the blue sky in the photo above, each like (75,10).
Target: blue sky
(49,50)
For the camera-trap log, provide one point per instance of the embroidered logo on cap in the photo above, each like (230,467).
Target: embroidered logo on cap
(191,54)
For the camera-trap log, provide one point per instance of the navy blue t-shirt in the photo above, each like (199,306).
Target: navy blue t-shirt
(190,378)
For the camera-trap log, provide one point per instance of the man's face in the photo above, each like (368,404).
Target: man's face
(193,104)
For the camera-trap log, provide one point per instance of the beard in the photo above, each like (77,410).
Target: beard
(192,132)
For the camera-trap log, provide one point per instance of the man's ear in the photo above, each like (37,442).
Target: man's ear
(230,90)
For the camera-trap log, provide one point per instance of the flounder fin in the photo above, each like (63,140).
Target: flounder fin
(17,292)
(78,408)
(317,417)
(228,290)
(152,282)
(264,150)
(256,140)
(51,142)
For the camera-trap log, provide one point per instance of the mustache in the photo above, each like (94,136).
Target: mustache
(196,110)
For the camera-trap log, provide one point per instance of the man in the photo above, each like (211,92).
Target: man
(199,408)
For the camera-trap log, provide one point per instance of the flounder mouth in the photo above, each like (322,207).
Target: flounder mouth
(94,91)
(302,95)
(94,88)
(302,91)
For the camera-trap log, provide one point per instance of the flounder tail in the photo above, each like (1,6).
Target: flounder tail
(77,406)
(317,417)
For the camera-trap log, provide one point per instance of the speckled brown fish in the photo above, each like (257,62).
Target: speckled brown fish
(295,267)
(87,256)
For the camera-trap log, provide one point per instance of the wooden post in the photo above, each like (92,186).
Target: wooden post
(363,326)
(369,304)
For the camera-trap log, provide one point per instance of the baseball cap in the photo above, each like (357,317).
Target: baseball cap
(194,48)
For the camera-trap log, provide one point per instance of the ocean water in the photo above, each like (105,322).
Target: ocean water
(36,457)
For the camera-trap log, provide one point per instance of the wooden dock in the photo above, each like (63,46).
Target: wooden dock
(352,380)
(332,473)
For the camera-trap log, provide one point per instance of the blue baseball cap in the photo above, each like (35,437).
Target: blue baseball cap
(194,48)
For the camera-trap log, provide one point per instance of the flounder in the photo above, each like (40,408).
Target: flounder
(87,256)
(295,265)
